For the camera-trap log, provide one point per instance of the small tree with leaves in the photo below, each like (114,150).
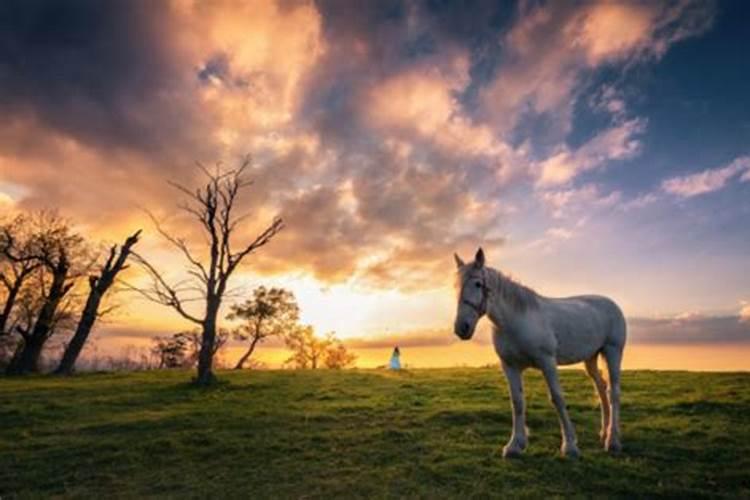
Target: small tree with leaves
(308,350)
(338,356)
(170,350)
(212,206)
(181,350)
(268,313)
(311,351)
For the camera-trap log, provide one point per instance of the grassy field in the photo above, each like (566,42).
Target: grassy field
(424,433)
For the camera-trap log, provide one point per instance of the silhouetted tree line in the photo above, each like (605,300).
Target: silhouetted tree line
(274,312)
(44,264)
(181,350)
(270,312)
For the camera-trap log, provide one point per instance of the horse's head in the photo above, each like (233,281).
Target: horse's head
(472,295)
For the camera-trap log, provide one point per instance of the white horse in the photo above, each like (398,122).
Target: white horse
(540,332)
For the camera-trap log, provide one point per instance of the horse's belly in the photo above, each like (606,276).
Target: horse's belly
(579,345)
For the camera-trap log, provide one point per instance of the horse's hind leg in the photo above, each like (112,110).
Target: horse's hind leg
(601,389)
(613,355)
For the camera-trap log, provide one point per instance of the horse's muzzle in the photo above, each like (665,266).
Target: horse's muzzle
(463,330)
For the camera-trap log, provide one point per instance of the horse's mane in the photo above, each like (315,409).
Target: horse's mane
(518,296)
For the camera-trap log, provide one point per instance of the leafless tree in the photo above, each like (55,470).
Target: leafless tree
(63,256)
(98,287)
(19,258)
(213,207)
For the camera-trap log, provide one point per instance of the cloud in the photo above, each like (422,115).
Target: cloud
(610,31)
(679,329)
(560,233)
(709,180)
(380,131)
(554,45)
(574,201)
(689,328)
(745,312)
(6,202)
(615,143)
(414,338)
(640,201)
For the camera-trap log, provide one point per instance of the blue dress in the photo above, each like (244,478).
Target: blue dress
(395,362)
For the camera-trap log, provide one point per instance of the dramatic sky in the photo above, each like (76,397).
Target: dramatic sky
(589,147)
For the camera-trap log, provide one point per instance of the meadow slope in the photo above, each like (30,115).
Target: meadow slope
(422,433)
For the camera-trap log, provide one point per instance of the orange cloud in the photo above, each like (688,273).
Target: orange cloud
(554,45)
(613,30)
(372,134)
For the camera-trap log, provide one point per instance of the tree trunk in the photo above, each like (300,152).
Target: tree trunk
(206,356)
(28,359)
(75,346)
(246,356)
(8,307)
(98,287)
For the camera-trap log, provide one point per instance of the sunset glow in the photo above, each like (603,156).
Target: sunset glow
(595,147)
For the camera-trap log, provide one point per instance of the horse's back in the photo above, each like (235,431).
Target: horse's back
(583,325)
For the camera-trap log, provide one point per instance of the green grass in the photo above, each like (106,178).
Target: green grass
(423,433)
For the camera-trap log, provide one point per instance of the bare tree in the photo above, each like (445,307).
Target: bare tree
(19,258)
(98,286)
(268,313)
(62,253)
(212,206)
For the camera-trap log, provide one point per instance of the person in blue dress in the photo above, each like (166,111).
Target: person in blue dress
(395,359)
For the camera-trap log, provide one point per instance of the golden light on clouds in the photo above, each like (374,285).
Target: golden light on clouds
(386,141)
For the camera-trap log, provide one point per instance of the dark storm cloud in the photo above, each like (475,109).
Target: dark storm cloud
(98,71)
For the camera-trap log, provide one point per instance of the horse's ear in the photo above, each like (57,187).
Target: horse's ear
(479,259)
(459,263)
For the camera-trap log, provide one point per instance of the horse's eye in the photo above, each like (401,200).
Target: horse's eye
(478,284)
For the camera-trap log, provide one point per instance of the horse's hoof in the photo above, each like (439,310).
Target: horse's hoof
(570,452)
(512,451)
(613,447)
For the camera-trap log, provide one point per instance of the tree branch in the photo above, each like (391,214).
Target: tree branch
(161,292)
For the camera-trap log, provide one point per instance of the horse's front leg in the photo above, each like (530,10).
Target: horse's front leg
(517,442)
(569,446)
